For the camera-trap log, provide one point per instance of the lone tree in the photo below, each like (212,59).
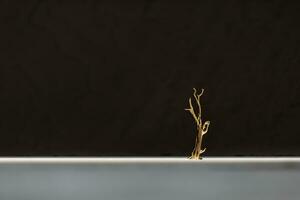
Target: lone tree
(201,128)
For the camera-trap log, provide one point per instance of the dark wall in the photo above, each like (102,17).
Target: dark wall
(97,78)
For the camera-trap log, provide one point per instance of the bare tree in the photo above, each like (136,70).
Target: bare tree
(201,128)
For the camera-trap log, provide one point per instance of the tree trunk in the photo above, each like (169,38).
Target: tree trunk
(197,149)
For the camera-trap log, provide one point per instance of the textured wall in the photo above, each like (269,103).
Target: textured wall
(97,78)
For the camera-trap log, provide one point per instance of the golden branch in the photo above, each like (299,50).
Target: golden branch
(201,129)
(205,127)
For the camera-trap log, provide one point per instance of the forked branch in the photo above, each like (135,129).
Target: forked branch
(201,129)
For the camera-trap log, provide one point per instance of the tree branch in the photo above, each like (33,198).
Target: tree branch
(205,127)
(202,151)
(201,128)
(191,109)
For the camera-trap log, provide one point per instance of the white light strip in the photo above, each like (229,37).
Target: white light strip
(153,160)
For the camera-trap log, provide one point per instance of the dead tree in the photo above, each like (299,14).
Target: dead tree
(201,128)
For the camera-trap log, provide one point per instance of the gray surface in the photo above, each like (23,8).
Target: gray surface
(132,180)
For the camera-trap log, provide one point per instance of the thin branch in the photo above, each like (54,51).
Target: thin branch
(205,127)
(191,109)
(201,128)
(202,151)
(197,98)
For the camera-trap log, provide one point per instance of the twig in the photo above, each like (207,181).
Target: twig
(201,129)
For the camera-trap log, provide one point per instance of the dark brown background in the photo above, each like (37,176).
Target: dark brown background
(110,79)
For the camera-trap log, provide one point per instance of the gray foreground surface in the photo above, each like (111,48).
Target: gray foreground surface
(150,179)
